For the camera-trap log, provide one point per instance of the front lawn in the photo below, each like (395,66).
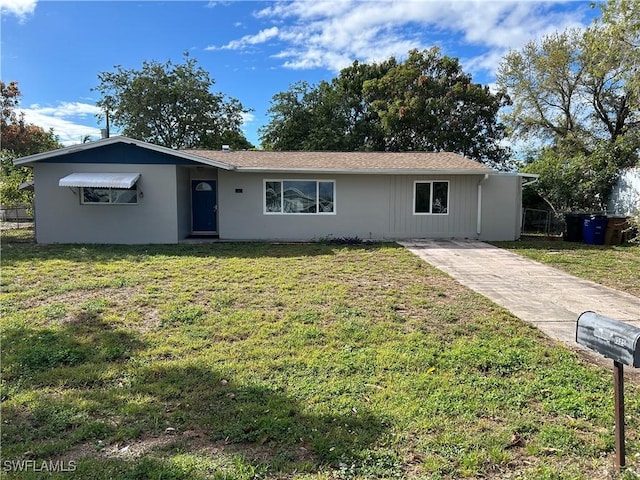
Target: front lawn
(241,361)
(616,266)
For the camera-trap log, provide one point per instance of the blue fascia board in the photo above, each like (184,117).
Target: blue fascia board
(120,153)
(120,150)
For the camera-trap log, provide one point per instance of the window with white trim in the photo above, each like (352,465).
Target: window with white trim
(431,197)
(101,195)
(315,197)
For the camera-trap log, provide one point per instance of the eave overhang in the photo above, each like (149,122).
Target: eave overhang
(125,140)
(366,171)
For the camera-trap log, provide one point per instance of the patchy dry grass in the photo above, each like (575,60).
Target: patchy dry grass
(11,232)
(241,361)
(616,266)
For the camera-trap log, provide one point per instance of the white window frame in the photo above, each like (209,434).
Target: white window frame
(431,182)
(282,180)
(84,202)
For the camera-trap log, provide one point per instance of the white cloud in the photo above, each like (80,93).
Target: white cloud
(248,117)
(68,109)
(488,61)
(247,40)
(305,9)
(65,119)
(331,34)
(20,8)
(213,4)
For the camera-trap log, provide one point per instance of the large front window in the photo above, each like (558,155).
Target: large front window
(299,196)
(431,198)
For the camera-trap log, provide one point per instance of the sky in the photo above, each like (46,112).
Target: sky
(253,50)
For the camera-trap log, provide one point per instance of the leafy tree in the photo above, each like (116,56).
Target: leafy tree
(621,25)
(569,88)
(574,181)
(10,98)
(575,104)
(19,139)
(425,103)
(429,103)
(362,125)
(543,81)
(169,105)
(235,139)
(289,127)
(12,178)
(329,116)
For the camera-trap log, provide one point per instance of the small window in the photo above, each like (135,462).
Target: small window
(273,197)
(299,196)
(423,198)
(94,195)
(431,198)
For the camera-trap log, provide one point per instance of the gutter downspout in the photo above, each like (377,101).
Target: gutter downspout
(479,225)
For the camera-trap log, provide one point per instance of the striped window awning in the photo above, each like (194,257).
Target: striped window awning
(100,180)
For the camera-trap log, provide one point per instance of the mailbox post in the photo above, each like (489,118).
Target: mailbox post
(619,342)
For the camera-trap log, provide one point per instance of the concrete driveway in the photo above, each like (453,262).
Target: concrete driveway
(546,297)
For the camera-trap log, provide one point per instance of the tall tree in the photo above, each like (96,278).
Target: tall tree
(611,55)
(291,123)
(19,139)
(575,105)
(425,103)
(429,103)
(363,126)
(576,181)
(544,81)
(621,24)
(329,116)
(169,104)
(568,88)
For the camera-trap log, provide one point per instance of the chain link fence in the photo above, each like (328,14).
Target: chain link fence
(16,214)
(542,222)
(17,224)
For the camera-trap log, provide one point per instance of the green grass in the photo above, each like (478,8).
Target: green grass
(286,361)
(616,266)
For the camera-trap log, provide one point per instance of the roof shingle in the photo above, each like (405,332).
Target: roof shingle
(344,161)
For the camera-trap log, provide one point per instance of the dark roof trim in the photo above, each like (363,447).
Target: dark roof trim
(120,139)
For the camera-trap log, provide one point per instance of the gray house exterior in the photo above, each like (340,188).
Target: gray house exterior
(124,191)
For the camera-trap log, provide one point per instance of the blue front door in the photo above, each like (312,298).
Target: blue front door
(204,205)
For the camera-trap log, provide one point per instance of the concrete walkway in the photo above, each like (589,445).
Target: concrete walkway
(548,298)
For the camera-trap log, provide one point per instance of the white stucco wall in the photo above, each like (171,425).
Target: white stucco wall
(61,218)
(625,198)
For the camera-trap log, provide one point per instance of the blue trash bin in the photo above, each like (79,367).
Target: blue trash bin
(593,230)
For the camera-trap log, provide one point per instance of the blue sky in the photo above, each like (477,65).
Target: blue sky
(253,50)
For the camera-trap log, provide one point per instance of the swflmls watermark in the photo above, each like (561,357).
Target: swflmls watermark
(38,466)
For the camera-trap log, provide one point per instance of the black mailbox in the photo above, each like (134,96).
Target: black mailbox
(619,342)
(614,339)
